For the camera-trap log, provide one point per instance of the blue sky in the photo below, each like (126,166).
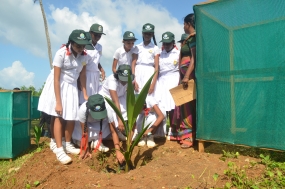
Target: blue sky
(24,57)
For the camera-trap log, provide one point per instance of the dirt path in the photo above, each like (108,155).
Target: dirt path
(165,166)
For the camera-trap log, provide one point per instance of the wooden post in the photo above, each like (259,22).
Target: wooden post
(201,146)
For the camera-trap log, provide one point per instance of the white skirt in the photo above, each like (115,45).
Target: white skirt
(93,130)
(164,83)
(69,99)
(143,73)
(150,119)
(92,85)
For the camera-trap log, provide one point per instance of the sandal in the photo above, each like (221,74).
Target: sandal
(186,143)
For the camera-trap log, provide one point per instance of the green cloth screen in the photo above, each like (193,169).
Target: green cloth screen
(240,72)
(15,120)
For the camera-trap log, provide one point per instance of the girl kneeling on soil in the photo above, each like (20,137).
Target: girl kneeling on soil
(94,117)
(59,97)
(115,88)
(153,117)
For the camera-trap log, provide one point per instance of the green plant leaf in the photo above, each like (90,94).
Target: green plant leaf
(36,183)
(130,103)
(118,112)
(215,176)
(137,139)
(28,186)
(141,98)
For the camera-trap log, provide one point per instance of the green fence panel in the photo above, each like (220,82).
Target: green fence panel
(35,113)
(240,72)
(15,120)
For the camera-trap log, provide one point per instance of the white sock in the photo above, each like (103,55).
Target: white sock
(52,140)
(63,138)
(60,149)
(67,143)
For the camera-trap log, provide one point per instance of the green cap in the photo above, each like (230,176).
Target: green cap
(79,37)
(129,36)
(183,37)
(148,28)
(97,107)
(97,28)
(167,37)
(123,72)
(89,38)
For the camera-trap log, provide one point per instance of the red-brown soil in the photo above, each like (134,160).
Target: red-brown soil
(165,166)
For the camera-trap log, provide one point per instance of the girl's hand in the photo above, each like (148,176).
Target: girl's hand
(120,157)
(121,126)
(85,154)
(185,82)
(58,109)
(136,86)
(151,89)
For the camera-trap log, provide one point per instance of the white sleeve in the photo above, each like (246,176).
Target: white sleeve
(112,84)
(117,54)
(58,58)
(81,113)
(100,50)
(110,114)
(150,101)
(135,50)
(156,50)
(89,59)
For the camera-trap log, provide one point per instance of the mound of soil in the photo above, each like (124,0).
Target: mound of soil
(164,166)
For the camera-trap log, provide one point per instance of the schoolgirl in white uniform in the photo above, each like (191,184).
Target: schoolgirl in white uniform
(147,62)
(153,117)
(93,67)
(168,71)
(96,122)
(59,97)
(115,88)
(127,54)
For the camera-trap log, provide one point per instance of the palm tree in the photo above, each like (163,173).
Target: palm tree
(46,30)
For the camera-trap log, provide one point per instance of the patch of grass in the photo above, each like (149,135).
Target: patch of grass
(229,155)
(6,166)
(8,169)
(272,177)
(218,148)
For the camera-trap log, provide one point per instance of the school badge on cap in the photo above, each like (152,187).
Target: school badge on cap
(81,36)
(97,108)
(148,27)
(97,28)
(125,73)
(129,36)
(165,36)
